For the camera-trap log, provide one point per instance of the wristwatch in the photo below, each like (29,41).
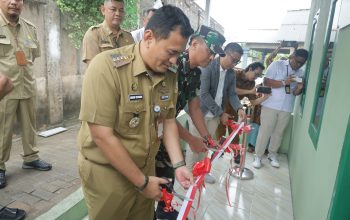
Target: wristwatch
(283,82)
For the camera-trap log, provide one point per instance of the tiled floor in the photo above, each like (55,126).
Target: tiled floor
(265,197)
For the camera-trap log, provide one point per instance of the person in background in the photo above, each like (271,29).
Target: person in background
(245,87)
(204,45)
(127,107)
(107,35)
(138,34)
(274,53)
(282,76)
(21,47)
(218,84)
(6,87)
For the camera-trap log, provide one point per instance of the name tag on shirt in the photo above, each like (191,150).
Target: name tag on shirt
(135,97)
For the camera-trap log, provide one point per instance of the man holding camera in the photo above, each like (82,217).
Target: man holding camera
(283,77)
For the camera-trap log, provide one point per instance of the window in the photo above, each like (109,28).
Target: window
(323,77)
(308,64)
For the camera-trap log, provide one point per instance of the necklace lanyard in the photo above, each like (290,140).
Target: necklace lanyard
(287,71)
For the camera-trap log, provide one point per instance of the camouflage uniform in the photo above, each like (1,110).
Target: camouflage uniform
(188,86)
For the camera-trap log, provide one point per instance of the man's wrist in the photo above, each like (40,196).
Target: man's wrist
(206,137)
(141,188)
(179,164)
(283,83)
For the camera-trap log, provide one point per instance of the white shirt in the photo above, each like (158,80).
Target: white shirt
(219,92)
(279,100)
(138,34)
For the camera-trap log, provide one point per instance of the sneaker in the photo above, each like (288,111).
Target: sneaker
(2,179)
(209,178)
(257,162)
(273,161)
(37,165)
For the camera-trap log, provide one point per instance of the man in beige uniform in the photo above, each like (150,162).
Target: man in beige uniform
(6,86)
(128,100)
(19,47)
(108,35)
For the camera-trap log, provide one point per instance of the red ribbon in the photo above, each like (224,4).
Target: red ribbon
(202,167)
(167,198)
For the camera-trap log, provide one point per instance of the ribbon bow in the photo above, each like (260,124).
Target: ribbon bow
(202,167)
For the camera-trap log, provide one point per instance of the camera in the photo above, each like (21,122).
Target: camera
(264,90)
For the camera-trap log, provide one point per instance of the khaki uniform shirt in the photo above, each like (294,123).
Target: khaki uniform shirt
(119,92)
(100,38)
(21,37)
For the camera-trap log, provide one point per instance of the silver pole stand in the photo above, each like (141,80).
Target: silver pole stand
(239,171)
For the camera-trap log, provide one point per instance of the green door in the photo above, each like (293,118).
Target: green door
(340,205)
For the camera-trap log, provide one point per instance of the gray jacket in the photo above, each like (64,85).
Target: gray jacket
(209,85)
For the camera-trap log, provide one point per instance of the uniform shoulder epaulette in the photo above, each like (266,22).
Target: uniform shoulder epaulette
(95,26)
(127,32)
(121,59)
(28,22)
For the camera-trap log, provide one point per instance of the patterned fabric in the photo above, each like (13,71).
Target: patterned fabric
(241,83)
(188,85)
(213,39)
(188,81)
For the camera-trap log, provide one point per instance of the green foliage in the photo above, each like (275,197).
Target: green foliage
(79,15)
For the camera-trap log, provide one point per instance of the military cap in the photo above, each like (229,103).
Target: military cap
(212,38)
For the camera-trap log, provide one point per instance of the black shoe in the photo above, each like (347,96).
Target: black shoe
(12,214)
(161,214)
(2,180)
(38,165)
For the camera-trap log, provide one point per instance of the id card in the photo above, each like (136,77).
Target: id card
(287,89)
(21,58)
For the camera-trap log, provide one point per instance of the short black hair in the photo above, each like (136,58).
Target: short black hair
(302,53)
(167,19)
(233,47)
(254,66)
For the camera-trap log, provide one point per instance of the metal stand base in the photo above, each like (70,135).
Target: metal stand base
(246,173)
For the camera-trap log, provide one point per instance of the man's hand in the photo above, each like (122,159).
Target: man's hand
(184,177)
(253,90)
(289,80)
(241,114)
(197,144)
(298,90)
(224,118)
(152,191)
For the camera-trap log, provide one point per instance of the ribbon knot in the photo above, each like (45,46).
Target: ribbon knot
(202,167)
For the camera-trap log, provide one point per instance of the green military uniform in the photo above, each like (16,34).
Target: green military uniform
(100,38)
(188,88)
(19,47)
(120,93)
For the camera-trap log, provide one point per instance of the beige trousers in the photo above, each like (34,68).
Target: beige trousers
(193,157)
(109,195)
(273,124)
(24,110)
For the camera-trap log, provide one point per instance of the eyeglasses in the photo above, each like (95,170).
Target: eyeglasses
(234,60)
